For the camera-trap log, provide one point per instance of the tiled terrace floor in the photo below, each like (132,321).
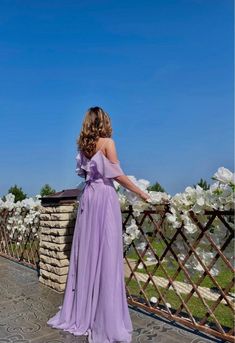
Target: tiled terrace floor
(26,305)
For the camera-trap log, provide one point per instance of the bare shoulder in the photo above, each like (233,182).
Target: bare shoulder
(110,144)
(110,141)
(102,142)
(110,150)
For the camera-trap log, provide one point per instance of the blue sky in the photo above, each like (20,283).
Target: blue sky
(163,70)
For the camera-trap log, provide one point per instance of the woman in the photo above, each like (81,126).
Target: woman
(95,301)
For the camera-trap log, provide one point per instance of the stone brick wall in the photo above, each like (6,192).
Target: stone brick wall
(57,224)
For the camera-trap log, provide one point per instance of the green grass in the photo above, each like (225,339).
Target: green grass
(223,313)
(223,278)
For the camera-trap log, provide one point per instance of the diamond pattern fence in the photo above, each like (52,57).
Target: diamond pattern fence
(166,271)
(16,245)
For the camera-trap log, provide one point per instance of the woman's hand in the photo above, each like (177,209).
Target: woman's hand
(128,184)
(144,196)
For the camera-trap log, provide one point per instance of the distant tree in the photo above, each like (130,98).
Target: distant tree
(18,193)
(156,187)
(46,190)
(203,184)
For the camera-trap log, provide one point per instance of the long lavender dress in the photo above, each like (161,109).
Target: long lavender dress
(94,302)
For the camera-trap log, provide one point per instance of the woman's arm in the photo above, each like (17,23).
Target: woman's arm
(127,183)
(110,152)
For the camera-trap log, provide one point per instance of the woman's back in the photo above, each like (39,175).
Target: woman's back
(99,166)
(107,146)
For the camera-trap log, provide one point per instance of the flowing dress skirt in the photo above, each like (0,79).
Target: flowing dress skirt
(95,299)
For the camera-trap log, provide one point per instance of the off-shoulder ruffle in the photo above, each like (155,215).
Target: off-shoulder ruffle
(80,167)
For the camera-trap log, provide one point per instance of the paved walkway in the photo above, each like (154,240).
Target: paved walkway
(26,305)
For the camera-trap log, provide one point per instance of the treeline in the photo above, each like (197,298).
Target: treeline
(48,190)
(21,195)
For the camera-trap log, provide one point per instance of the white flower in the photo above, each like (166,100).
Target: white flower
(143,184)
(141,246)
(224,175)
(116,184)
(140,265)
(158,197)
(10,197)
(127,239)
(188,224)
(181,257)
(215,186)
(153,300)
(138,207)
(171,217)
(133,230)
(23,216)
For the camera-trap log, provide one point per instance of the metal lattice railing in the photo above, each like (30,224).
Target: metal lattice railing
(25,250)
(166,284)
(159,280)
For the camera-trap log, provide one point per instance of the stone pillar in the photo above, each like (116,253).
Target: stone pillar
(57,222)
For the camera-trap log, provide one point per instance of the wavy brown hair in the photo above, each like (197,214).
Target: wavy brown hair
(96,123)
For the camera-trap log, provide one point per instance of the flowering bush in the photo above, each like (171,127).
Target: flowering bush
(22,217)
(220,196)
